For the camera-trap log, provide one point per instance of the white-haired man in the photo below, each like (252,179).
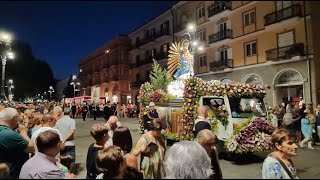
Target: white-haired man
(14,141)
(112,124)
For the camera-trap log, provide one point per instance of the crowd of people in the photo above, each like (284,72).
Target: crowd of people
(102,110)
(37,142)
(301,119)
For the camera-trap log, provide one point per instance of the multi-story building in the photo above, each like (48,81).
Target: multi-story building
(105,72)
(151,41)
(269,43)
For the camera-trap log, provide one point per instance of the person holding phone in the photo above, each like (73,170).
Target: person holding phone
(15,143)
(150,151)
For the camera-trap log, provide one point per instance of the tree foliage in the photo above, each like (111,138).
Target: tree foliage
(30,75)
(158,77)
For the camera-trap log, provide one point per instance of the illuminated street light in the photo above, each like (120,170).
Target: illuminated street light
(51,90)
(5,43)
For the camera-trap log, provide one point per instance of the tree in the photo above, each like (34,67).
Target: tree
(158,77)
(31,76)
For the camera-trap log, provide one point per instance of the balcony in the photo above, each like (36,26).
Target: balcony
(226,34)
(220,65)
(150,38)
(180,27)
(286,52)
(286,13)
(136,84)
(219,7)
(164,32)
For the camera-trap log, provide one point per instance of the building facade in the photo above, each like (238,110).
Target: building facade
(269,43)
(151,41)
(105,72)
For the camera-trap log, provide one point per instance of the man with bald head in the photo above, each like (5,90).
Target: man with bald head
(112,124)
(14,142)
(202,121)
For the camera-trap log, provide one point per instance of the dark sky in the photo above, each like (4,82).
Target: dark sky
(64,32)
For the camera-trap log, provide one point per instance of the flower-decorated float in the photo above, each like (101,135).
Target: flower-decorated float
(237,112)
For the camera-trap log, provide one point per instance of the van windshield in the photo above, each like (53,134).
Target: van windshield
(247,107)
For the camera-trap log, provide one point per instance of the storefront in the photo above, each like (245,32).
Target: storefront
(288,87)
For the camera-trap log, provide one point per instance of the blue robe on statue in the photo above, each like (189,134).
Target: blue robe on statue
(184,67)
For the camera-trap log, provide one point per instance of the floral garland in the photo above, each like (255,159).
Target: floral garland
(253,136)
(195,88)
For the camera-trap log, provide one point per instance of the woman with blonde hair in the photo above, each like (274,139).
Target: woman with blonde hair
(208,141)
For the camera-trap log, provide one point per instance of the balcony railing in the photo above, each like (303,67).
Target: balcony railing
(286,13)
(221,36)
(149,38)
(179,27)
(218,7)
(221,64)
(136,84)
(286,52)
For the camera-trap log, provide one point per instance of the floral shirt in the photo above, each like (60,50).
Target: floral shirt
(272,169)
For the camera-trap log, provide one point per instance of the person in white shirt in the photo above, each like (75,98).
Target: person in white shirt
(67,127)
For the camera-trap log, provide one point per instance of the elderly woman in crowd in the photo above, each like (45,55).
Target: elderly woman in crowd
(179,164)
(278,164)
(150,151)
(111,163)
(208,141)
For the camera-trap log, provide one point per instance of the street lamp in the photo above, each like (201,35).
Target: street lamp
(10,87)
(51,90)
(5,42)
(74,83)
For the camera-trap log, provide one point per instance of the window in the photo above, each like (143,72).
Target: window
(184,18)
(202,35)
(202,61)
(164,27)
(138,77)
(200,12)
(147,34)
(223,54)
(153,53)
(249,18)
(251,48)
(153,32)
(137,40)
(165,48)
(137,59)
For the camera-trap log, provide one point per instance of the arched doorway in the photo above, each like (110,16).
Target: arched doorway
(288,87)
(115,97)
(225,80)
(106,94)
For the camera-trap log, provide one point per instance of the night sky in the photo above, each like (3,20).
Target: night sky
(62,32)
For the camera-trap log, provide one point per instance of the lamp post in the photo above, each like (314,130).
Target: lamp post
(74,83)
(10,87)
(51,90)
(5,42)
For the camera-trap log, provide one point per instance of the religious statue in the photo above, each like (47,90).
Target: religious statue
(181,58)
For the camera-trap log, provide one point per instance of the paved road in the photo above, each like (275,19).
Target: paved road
(307,161)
